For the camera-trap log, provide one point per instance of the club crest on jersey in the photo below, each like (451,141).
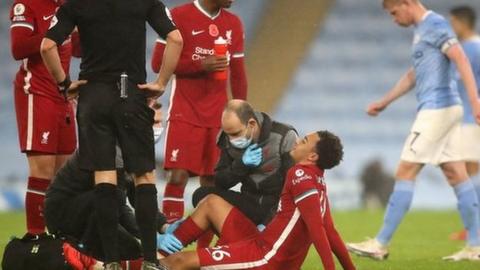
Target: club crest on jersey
(213,30)
(45,137)
(174,156)
(299,172)
(228,35)
(18,9)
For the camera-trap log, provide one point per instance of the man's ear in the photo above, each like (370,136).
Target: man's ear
(252,122)
(313,157)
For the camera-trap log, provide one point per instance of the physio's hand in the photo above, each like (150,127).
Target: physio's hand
(375,108)
(168,243)
(172,227)
(153,90)
(253,156)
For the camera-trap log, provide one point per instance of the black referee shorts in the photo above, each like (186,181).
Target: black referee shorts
(257,213)
(104,119)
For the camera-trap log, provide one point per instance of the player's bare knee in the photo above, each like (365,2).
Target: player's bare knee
(213,201)
(455,172)
(178,177)
(408,170)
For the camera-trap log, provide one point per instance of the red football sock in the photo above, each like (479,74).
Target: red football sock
(132,264)
(205,239)
(34,204)
(236,227)
(172,204)
(188,232)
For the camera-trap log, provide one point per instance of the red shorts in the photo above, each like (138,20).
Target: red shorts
(247,254)
(44,125)
(191,148)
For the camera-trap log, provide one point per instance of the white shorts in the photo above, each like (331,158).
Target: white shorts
(471,142)
(435,137)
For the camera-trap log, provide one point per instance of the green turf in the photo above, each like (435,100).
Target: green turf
(419,244)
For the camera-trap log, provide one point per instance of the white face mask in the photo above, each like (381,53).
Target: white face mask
(241,142)
(157,133)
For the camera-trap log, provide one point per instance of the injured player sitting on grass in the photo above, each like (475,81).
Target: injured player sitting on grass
(303,218)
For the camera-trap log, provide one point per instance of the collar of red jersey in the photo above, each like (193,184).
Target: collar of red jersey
(197,4)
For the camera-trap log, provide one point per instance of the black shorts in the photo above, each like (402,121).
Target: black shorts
(257,213)
(104,119)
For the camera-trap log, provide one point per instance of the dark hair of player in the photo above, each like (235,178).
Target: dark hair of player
(465,14)
(329,149)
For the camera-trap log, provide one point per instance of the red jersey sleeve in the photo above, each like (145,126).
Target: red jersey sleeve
(24,39)
(238,76)
(308,199)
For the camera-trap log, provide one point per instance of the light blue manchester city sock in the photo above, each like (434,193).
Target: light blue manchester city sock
(398,205)
(476,183)
(468,208)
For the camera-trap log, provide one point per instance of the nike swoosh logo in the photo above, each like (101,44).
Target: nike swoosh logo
(194,33)
(45,18)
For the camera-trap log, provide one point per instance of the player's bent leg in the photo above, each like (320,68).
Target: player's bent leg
(182,261)
(173,204)
(456,174)
(205,240)
(210,214)
(42,169)
(398,205)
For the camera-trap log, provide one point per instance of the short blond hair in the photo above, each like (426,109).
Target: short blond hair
(389,3)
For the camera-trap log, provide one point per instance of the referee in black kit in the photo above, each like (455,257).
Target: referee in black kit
(112,105)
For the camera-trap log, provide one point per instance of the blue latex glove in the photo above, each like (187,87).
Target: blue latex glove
(168,243)
(252,157)
(172,227)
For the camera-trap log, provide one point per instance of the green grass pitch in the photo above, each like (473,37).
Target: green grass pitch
(419,244)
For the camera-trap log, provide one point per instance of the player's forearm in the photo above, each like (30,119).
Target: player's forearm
(465,69)
(51,59)
(238,78)
(23,44)
(403,86)
(173,49)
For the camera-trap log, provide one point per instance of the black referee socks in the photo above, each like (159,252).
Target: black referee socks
(146,209)
(106,211)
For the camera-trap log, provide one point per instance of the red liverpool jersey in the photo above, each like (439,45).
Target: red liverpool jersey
(197,98)
(287,233)
(30,20)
